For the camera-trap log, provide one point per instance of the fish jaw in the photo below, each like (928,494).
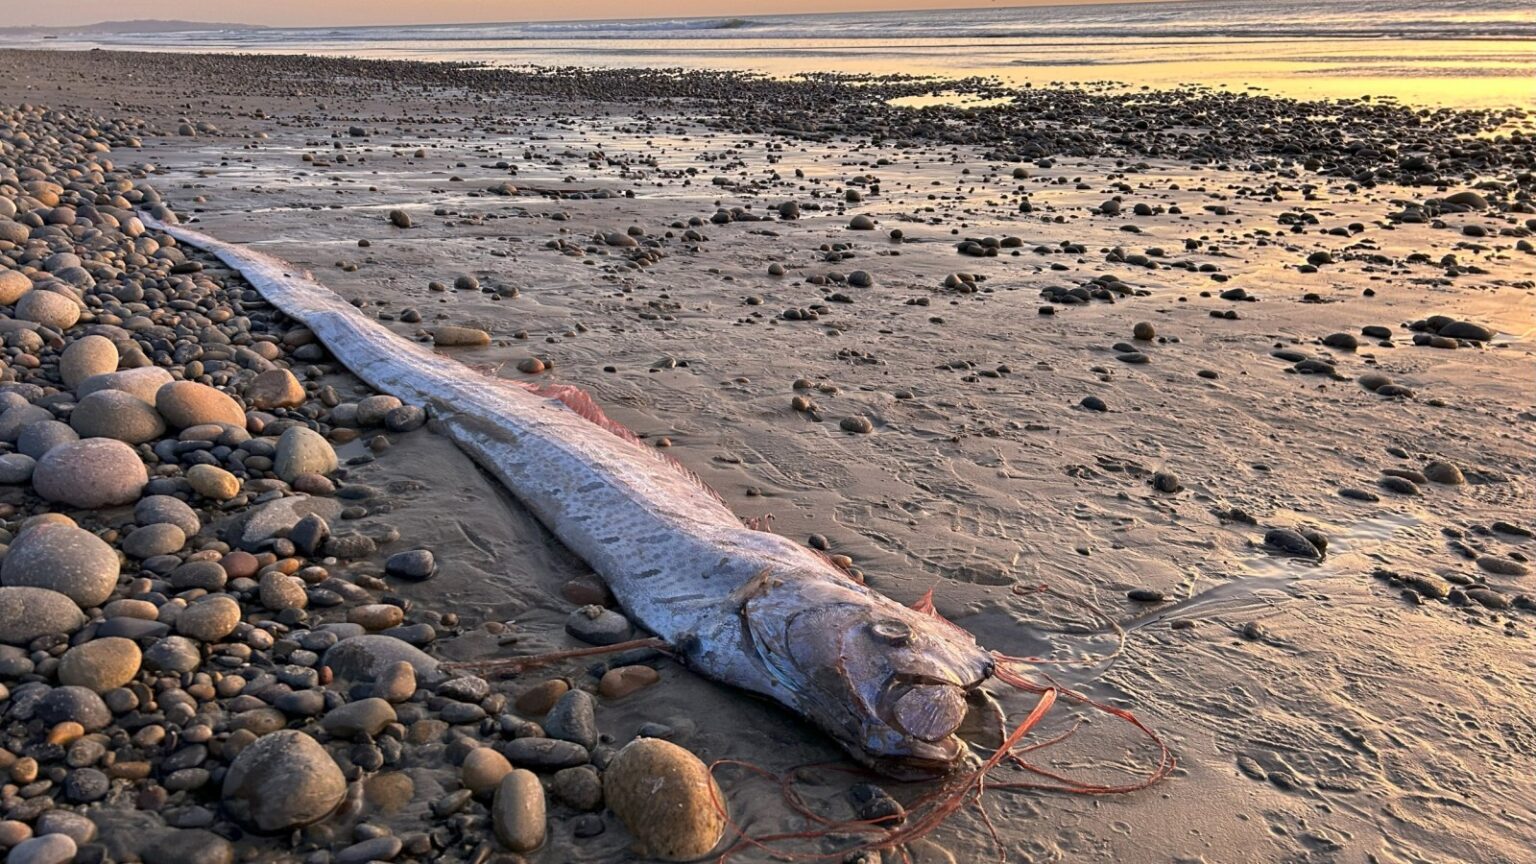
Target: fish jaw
(927,763)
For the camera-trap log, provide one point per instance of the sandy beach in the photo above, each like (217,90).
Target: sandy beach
(1251,376)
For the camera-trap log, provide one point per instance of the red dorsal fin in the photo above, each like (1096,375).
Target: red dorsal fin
(582,403)
(924,604)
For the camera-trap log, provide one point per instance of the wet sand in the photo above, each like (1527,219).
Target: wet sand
(1320,711)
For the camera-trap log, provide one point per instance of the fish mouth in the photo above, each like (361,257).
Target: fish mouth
(926,712)
(927,709)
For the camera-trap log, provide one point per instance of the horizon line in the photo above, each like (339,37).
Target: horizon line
(1004,4)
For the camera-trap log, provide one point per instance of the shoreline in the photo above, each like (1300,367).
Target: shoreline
(623,231)
(1418,54)
(855,103)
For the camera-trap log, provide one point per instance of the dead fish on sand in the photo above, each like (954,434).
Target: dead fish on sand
(745,607)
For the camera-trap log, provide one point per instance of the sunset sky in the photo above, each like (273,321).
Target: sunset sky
(337,12)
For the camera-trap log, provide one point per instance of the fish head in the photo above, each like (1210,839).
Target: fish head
(889,683)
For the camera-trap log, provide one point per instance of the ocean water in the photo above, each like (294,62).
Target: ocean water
(1478,53)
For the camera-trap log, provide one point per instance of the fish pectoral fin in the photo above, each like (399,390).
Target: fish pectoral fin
(751,588)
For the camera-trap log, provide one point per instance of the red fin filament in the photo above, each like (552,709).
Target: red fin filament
(582,403)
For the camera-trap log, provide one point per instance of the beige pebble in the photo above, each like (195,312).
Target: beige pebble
(624,680)
(541,697)
(376,616)
(667,799)
(451,336)
(517,813)
(211,481)
(483,770)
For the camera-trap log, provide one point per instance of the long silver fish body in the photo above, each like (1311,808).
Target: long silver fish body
(745,607)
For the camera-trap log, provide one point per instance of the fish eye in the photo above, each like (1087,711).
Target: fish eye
(891,631)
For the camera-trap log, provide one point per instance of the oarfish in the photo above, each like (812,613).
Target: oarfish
(742,606)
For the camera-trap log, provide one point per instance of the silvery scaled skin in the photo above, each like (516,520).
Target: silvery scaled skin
(744,607)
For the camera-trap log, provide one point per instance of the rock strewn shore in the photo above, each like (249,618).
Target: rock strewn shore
(1218,395)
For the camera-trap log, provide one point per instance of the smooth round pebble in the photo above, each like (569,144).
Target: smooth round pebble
(210,618)
(302,450)
(16,468)
(36,439)
(155,509)
(623,680)
(12,284)
(280,591)
(161,538)
(48,308)
(47,849)
(87,356)
(74,704)
(859,425)
(376,616)
(173,654)
(211,481)
(598,626)
(188,403)
(283,780)
(143,382)
(115,414)
(1444,473)
(275,388)
(91,473)
(666,797)
(102,664)
(483,770)
(518,812)
(414,564)
(451,336)
(27,613)
(367,716)
(71,561)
